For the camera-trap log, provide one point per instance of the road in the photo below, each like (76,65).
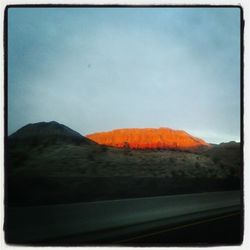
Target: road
(93,221)
(219,230)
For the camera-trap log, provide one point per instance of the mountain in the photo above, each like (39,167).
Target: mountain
(47,133)
(49,163)
(148,138)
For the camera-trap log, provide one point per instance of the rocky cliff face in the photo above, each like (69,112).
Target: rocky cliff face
(148,138)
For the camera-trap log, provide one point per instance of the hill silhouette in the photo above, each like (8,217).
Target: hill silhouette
(148,138)
(47,133)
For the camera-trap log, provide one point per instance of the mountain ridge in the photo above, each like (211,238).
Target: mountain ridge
(48,167)
(148,138)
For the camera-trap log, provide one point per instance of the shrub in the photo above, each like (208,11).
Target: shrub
(90,156)
(126,149)
(216,159)
(171,160)
(104,148)
(222,166)
(197,165)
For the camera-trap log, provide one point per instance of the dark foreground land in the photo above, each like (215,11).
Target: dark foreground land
(48,164)
(140,220)
(32,191)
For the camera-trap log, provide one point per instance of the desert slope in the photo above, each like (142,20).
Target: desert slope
(49,163)
(148,138)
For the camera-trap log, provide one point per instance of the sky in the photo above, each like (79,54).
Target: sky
(98,69)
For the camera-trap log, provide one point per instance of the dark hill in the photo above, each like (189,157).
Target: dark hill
(227,155)
(46,133)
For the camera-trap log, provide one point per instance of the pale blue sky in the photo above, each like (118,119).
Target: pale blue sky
(97,69)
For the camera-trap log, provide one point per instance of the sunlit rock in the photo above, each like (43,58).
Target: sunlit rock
(148,138)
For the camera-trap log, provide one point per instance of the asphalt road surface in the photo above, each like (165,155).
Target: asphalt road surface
(117,220)
(220,230)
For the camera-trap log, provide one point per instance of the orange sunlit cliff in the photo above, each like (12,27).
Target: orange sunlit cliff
(148,138)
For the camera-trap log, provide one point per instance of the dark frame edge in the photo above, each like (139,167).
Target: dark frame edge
(242,25)
(169,5)
(5,108)
(5,56)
